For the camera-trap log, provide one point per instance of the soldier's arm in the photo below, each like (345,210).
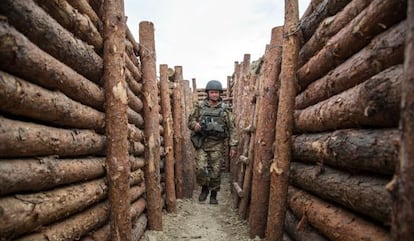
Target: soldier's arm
(193,117)
(233,138)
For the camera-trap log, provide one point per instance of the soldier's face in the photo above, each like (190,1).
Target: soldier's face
(213,95)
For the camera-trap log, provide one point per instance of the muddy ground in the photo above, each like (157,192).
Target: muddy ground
(201,221)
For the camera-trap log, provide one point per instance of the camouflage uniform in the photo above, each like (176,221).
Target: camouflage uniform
(210,155)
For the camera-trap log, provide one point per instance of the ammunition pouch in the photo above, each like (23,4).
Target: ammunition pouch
(197,139)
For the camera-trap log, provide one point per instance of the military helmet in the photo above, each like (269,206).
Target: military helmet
(214,85)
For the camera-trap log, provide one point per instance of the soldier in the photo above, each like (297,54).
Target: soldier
(211,122)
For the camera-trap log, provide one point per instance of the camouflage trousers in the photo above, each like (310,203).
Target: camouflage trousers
(208,168)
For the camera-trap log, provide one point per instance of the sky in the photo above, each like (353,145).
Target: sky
(207,37)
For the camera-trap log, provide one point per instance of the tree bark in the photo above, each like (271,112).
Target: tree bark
(23,139)
(189,152)
(168,138)
(279,169)
(364,194)
(84,7)
(134,69)
(151,125)
(354,150)
(299,230)
(325,9)
(116,101)
(24,212)
(333,222)
(24,59)
(374,103)
(178,139)
(266,120)
(384,51)
(135,118)
(403,205)
(139,227)
(22,98)
(36,24)
(329,27)
(379,15)
(134,102)
(20,175)
(78,24)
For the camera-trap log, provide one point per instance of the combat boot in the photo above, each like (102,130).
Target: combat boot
(213,197)
(203,194)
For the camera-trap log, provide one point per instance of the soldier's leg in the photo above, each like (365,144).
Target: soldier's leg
(201,165)
(215,160)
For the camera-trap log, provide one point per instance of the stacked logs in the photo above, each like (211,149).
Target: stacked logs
(345,141)
(53,171)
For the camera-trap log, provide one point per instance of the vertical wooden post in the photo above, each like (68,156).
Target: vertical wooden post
(195,95)
(279,170)
(266,120)
(188,151)
(117,162)
(168,138)
(403,206)
(178,138)
(151,124)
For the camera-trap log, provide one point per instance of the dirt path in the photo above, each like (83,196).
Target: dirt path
(201,221)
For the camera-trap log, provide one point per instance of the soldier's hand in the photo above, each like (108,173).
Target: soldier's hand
(197,127)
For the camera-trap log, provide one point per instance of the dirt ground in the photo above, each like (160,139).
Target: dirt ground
(201,221)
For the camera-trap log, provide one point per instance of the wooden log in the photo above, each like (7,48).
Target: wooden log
(188,151)
(168,138)
(135,72)
(22,98)
(374,103)
(266,113)
(402,185)
(24,212)
(136,177)
(299,230)
(363,194)
(378,149)
(135,134)
(136,148)
(238,189)
(279,169)
(78,24)
(326,8)
(23,59)
(178,140)
(133,101)
(313,4)
(379,15)
(151,125)
(136,162)
(73,227)
(36,24)
(132,83)
(138,227)
(136,191)
(24,139)
(333,222)
(84,7)
(20,175)
(384,51)
(329,27)
(134,43)
(135,118)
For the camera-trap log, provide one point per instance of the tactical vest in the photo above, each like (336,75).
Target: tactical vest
(213,123)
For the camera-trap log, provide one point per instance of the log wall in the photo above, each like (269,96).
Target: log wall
(346,141)
(53,142)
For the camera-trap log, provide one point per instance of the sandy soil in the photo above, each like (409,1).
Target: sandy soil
(202,221)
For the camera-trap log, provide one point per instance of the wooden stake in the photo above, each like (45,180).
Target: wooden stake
(151,125)
(279,169)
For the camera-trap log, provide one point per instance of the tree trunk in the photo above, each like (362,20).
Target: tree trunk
(20,175)
(333,222)
(84,7)
(363,194)
(329,27)
(151,130)
(80,25)
(178,139)
(384,51)
(325,9)
(299,230)
(24,139)
(374,103)
(403,188)
(22,98)
(36,24)
(371,21)
(266,120)
(24,212)
(24,59)
(279,169)
(168,138)
(356,150)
